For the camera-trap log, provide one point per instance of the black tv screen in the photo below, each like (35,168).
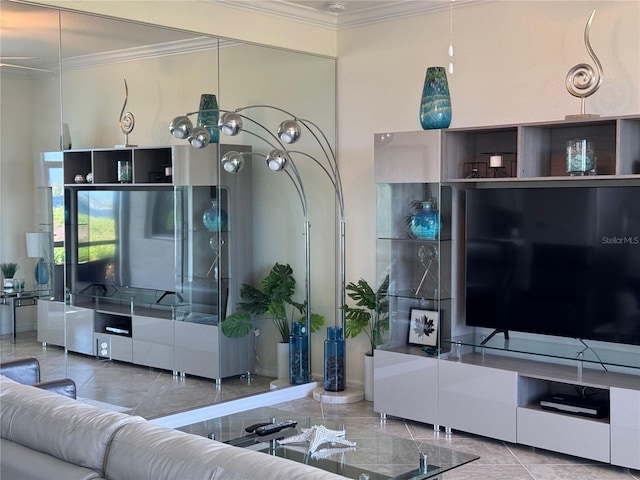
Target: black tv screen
(561,261)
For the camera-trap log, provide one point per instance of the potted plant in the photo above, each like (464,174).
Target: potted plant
(371,316)
(274,298)
(8,272)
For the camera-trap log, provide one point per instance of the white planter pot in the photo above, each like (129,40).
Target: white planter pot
(368,378)
(283,361)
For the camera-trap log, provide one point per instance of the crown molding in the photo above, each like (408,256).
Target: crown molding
(151,51)
(345,19)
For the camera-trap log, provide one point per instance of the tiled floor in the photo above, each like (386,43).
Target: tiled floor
(154,393)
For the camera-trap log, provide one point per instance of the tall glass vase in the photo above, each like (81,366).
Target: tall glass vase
(435,108)
(334,368)
(209,119)
(298,354)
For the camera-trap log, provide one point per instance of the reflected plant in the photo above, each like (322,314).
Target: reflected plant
(274,297)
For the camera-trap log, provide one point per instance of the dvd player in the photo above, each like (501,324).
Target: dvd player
(575,405)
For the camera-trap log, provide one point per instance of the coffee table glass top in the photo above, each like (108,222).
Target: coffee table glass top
(376,455)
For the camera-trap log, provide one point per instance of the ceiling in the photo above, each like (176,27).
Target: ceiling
(19,45)
(343,13)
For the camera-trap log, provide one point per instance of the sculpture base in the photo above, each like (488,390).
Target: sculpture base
(276,384)
(581,116)
(348,395)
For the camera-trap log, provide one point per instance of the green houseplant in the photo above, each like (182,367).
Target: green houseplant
(370,313)
(274,297)
(9,269)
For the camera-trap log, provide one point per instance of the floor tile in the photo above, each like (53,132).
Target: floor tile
(152,393)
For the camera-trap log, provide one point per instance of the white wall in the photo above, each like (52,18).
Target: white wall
(510,63)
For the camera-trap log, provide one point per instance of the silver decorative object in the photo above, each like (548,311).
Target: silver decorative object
(582,81)
(127,120)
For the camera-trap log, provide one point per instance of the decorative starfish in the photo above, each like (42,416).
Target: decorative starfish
(322,453)
(318,435)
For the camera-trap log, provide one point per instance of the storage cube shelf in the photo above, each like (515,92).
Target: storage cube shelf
(537,151)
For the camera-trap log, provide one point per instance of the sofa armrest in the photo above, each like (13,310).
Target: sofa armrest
(66,387)
(22,370)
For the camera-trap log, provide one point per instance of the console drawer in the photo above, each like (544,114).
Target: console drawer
(562,433)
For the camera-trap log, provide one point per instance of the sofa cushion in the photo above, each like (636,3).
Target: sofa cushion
(153,452)
(22,463)
(56,425)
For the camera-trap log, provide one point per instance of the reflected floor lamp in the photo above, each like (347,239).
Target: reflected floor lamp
(278,159)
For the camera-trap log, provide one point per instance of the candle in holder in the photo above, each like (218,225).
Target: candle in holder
(495,161)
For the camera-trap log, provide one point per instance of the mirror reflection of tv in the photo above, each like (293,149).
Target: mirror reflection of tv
(561,261)
(126,238)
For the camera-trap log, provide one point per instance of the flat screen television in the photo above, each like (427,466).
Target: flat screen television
(126,238)
(561,261)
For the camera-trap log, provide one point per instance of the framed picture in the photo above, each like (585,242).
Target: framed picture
(423,328)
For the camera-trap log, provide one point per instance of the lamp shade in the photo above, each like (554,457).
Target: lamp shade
(232,162)
(277,160)
(34,240)
(199,137)
(230,123)
(180,127)
(289,131)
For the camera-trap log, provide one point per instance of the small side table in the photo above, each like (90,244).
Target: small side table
(14,298)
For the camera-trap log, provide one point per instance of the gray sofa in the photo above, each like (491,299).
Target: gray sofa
(50,436)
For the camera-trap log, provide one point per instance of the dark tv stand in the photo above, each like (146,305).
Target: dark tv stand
(496,331)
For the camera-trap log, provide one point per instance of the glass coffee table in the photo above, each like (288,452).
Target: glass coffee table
(376,455)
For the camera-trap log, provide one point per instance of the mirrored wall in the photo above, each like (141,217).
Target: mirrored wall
(87,71)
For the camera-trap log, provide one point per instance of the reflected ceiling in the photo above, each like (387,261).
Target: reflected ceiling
(81,37)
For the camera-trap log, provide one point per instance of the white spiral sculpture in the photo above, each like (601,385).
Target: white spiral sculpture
(582,81)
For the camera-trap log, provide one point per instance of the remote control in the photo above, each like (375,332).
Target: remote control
(274,427)
(252,428)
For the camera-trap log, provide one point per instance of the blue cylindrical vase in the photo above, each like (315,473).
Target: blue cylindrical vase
(298,354)
(435,108)
(208,116)
(334,368)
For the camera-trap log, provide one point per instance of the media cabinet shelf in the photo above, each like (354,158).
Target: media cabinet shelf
(538,150)
(569,350)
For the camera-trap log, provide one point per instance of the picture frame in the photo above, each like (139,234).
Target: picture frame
(424,326)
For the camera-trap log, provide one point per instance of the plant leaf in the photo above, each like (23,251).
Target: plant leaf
(237,325)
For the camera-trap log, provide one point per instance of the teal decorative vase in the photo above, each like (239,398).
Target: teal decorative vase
(214,218)
(209,120)
(435,108)
(41,272)
(425,224)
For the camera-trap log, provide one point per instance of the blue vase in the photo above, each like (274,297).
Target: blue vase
(334,371)
(214,218)
(426,224)
(41,273)
(435,108)
(298,354)
(209,120)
